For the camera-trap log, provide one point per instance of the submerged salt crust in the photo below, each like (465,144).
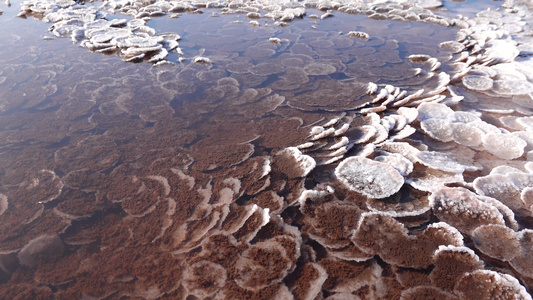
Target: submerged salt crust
(292,157)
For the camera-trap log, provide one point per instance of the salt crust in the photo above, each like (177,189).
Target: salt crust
(463,209)
(391,232)
(304,163)
(497,241)
(443,124)
(493,48)
(371,178)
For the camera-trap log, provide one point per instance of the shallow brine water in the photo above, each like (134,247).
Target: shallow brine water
(362,150)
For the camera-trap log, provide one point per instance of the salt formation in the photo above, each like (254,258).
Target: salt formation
(371,178)
(292,156)
(359,34)
(479,215)
(463,209)
(312,165)
(464,128)
(42,246)
(90,27)
(510,188)
(4,204)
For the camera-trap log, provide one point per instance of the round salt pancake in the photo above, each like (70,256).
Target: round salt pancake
(259,52)
(512,87)
(46,222)
(246,96)
(500,187)
(465,117)
(211,75)
(363,134)
(452,46)
(317,95)
(486,284)
(381,234)
(423,292)
(451,263)
(400,163)
(331,223)
(463,210)
(419,58)
(249,80)
(371,178)
(263,106)
(467,135)
(79,205)
(505,146)
(139,42)
(408,202)
(497,241)
(250,266)
(239,67)
(319,69)
(44,246)
(360,274)
(477,83)
(95,152)
(309,286)
(197,274)
(434,111)
(267,68)
(102,38)
(292,79)
(439,129)
(522,262)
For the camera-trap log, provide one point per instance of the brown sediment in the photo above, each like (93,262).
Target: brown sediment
(94,153)
(388,288)
(211,156)
(305,278)
(58,270)
(409,278)
(26,291)
(233,291)
(333,222)
(268,199)
(260,267)
(278,131)
(78,203)
(169,183)
(450,266)
(147,193)
(237,215)
(250,227)
(351,274)
(148,228)
(46,222)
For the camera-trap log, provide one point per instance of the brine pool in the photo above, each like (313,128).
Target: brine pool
(362,150)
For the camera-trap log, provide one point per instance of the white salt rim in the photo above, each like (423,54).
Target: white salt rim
(3,204)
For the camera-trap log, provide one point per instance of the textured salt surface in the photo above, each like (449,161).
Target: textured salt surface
(266,150)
